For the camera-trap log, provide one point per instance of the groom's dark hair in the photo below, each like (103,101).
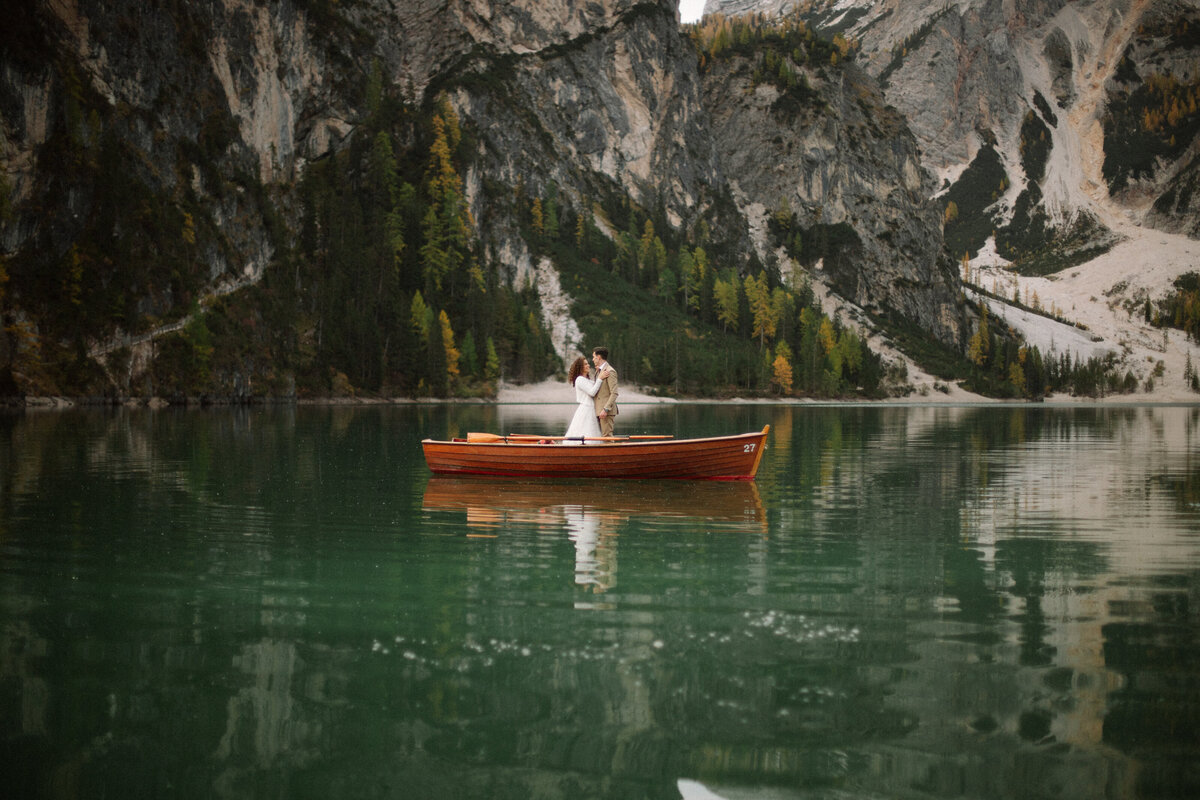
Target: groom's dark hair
(600,351)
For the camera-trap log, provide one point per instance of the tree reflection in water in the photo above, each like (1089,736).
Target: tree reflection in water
(918,602)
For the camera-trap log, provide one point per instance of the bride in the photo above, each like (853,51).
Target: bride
(584,423)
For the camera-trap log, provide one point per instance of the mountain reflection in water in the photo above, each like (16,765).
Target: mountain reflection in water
(913,602)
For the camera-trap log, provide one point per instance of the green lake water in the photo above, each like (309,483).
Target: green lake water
(909,602)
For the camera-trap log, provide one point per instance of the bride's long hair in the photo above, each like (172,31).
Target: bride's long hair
(577,368)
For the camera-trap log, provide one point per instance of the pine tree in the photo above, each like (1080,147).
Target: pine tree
(782,368)
(1016,376)
(851,349)
(491,366)
(977,348)
(452,352)
(726,294)
(762,310)
(435,353)
(950,214)
(420,317)
(697,263)
(538,220)
(469,364)
(826,335)
(435,259)
(447,225)
(388,196)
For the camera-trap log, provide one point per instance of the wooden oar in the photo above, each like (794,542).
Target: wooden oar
(492,438)
(515,438)
(487,438)
(590,438)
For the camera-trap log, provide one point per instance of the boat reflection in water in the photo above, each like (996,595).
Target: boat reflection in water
(592,512)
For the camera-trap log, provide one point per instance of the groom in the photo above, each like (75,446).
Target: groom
(606,395)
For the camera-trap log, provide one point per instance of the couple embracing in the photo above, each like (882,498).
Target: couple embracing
(596,393)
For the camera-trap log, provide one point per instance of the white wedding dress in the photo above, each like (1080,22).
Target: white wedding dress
(584,423)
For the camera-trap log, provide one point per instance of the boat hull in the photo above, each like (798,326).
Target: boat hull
(729,458)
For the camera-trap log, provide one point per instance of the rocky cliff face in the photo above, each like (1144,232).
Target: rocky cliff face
(628,112)
(609,88)
(614,109)
(177,136)
(848,164)
(1164,53)
(1086,105)
(588,95)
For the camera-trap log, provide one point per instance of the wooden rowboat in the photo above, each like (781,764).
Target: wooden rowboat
(720,458)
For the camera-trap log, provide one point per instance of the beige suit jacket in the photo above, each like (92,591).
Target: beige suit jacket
(606,395)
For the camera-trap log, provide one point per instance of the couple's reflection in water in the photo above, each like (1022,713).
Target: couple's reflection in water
(593,513)
(594,534)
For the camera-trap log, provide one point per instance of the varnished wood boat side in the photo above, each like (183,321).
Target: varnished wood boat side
(734,457)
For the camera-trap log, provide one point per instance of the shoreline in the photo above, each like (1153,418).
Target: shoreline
(558,393)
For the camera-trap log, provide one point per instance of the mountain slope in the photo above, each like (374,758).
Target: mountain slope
(307,197)
(824,163)
(1064,135)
